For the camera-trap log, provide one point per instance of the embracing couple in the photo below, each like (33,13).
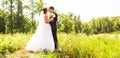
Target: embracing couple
(45,37)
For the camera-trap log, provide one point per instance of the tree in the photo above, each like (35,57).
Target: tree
(86,28)
(67,24)
(2,23)
(115,22)
(77,24)
(20,17)
(8,6)
(39,6)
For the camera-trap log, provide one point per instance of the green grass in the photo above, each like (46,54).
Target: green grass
(72,45)
(10,43)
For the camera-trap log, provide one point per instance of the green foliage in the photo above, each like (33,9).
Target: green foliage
(2,24)
(86,28)
(115,21)
(69,23)
(11,43)
(77,24)
(22,25)
(39,6)
(72,23)
(12,21)
(105,24)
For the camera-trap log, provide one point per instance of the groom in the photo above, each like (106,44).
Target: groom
(53,26)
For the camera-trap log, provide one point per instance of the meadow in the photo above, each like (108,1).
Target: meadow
(72,46)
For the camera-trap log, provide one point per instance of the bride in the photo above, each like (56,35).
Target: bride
(42,39)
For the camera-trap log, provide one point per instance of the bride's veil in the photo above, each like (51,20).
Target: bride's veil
(41,21)
(41,17)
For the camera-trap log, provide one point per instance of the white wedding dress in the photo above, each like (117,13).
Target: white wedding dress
(42,39)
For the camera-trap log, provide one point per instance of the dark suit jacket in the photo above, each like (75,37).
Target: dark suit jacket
(53,23)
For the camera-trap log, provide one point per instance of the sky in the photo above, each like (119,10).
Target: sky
(87,9)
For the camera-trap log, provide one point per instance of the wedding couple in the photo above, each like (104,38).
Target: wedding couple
(45,36)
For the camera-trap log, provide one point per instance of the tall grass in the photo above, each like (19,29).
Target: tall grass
(93,46)
(10,43)
(72,45)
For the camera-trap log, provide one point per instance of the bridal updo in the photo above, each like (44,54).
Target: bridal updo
(45,10)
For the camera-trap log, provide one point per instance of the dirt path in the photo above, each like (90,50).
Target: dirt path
(22,54)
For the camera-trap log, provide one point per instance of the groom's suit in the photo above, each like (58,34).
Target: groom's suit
(54,30)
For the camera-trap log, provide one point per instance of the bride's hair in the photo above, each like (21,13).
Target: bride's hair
(45,10)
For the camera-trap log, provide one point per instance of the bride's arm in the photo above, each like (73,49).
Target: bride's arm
(46,19)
